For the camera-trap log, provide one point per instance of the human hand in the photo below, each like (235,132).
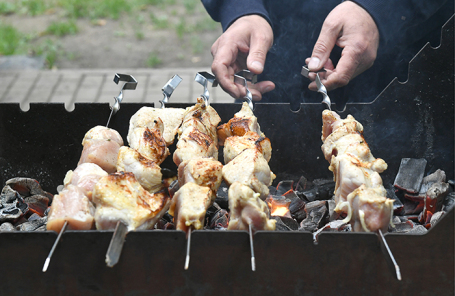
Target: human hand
(350,27)
(244,45)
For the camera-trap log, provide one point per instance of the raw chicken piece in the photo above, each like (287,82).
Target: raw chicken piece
(368,209)
(101,152)
(85,176)
(73,206)
(189,206)
(194,144)
(171,119)
(149,143)
(242,122)
(201,171)
(250,168)
(234,145)
(146,171)
(120,197)
(102,133)
(246,208)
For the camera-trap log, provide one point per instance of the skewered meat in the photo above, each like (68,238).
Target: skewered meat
(247,208)
(120,197)
(189,206)
(85,177)
(146,171)
(242,122)
(358,190)
(201,171)
(234,145)
(171,119)
(250,168)
(197,134)
(150,143)
(101,145)
(73,206)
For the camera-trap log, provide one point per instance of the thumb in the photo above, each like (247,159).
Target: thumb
(324,45)
(259,47)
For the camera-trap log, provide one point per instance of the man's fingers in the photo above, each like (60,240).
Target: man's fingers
(324,45)
(260,88)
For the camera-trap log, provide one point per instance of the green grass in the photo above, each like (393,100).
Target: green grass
(50,50)
(62,28)
(153,60)
(7,8)
(159,22)
(10,39)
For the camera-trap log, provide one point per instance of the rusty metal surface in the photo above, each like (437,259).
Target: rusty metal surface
(415,119)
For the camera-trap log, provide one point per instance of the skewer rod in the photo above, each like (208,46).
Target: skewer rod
(188,243)
(253,260)
(48,259)
(389,253)
(116,245)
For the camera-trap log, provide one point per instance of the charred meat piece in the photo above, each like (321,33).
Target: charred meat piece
(120,197)
(169,118)
(146,171)
(250,168)
(73,206)
(242,122)
(149,143)
(194,144)
(248,209)
(234,145)
(201,171)
(189,206)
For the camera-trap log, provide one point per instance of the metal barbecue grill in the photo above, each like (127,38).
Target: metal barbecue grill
(413,119)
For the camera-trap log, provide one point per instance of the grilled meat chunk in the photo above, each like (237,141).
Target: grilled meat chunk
(149,143)
(146,171)
(250,168)
(201,171)
(85,176)
(247,208)
(189,206)
(234,145)
(102,133)
(120,197)
(73,206)
(194,144)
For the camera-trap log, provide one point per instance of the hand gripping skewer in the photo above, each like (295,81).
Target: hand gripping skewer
(169,88)
(320,86)
(119,236)
(203,78)
(130,83)
(242,78)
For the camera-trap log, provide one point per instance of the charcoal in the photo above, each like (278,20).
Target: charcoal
(280,225)
(297,209)
(12,205)
(284,186)
(322,190)
(278,205)
(38,204)
(436,196)
(419,229)
(41,228)
(397,204)
(7,227)
(448,202)
(272,190)
(316,216)
(428,181)
(212,209)
(410,174)
(219,220)
(222,198)
(32,225)
(401,227)
(173,188)
(436,217)
(27,187)
(290,222)
(411,207)
(34,216)
(303,184)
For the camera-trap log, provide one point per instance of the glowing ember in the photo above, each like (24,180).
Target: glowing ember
(279,206)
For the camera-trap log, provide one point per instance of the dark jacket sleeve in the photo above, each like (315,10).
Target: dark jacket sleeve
(227,11)
(400,21)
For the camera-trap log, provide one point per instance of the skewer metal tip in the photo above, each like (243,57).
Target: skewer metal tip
(188,244)
(253,260)
(48,259)
(116,245)
(386,250)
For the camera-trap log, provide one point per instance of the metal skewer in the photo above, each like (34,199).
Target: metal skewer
(386,250)
(253,260)
(169,88)
(321,88)
(242,78)
(188,243)
(203,78)
(48,259)
(116,245)
(131,83)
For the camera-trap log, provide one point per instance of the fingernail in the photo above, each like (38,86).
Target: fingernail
(267,89)
(314,64)
(257,65)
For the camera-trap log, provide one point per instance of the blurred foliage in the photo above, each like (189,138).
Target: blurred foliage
(62,28)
